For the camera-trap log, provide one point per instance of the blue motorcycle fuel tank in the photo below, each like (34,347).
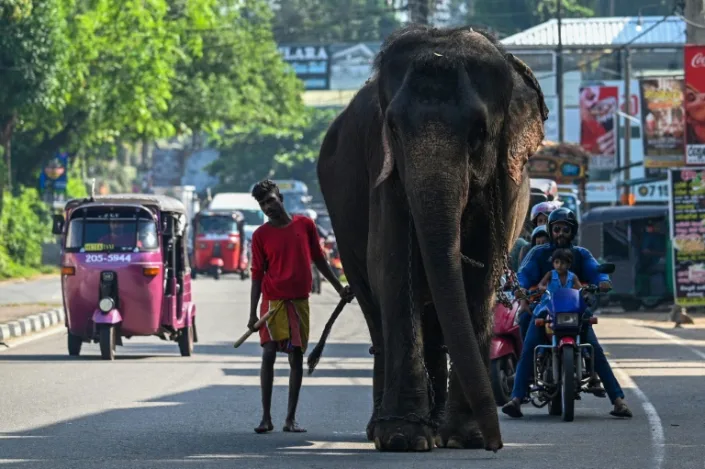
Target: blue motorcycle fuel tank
(567,300)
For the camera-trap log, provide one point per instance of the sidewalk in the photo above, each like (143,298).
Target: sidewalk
(25,319)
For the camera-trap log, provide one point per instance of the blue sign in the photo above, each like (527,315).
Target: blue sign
(54,174)
(310,63)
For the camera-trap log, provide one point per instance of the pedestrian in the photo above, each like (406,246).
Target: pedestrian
(282,252)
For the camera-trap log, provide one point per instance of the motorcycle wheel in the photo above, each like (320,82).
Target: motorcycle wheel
(568,384)
(501,369)
(555,405)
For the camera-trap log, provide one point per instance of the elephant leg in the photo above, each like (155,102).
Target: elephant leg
(403,421)
(360,284)
(436,362)
(461,429)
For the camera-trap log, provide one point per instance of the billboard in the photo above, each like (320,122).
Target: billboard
(663,122)
(598,120)
(310,62)
(694,104)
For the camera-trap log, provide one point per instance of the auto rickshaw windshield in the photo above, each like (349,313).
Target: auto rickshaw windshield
(121,233)
(217,224)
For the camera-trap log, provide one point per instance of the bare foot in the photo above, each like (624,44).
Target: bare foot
(293,427)
(265,426)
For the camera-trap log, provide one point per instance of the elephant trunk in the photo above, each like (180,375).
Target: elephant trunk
(436,202)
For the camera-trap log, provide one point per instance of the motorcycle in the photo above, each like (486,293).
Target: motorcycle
(560,373)
(506,345)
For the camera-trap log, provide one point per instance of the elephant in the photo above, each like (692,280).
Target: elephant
(425,180)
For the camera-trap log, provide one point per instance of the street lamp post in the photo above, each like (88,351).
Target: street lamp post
(559,72)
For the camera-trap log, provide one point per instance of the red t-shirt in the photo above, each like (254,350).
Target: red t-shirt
(281,258)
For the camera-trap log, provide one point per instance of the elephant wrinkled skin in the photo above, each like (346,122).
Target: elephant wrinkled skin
(424,178)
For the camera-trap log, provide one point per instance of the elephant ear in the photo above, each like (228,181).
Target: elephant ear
(527,113)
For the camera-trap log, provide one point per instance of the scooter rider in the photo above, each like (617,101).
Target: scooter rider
(539,217)
(562,227)
(538,236)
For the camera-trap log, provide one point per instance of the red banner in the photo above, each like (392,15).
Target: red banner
(598,121)
(694,103)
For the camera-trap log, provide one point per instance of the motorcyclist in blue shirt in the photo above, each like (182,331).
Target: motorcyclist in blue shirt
(562,228)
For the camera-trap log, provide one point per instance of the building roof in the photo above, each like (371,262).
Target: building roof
(602,32)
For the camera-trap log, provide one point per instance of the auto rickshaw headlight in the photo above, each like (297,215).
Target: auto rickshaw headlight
(107,276)
(106,304)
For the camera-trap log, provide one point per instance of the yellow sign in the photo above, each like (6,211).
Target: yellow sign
(91,247)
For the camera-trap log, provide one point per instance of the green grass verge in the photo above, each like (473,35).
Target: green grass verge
(17,271)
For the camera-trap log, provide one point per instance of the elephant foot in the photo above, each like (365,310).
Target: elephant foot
(399,435)
(370,430)
(460,434)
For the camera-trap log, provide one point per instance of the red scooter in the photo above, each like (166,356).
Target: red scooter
(506,346)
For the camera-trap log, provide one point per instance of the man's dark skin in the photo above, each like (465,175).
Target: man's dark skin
(272,205)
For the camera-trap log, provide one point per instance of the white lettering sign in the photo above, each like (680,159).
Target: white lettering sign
(698,60)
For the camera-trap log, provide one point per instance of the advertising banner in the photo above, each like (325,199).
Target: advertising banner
(310,62)
(598,120)
(663,122)
(694,104)
(687,220)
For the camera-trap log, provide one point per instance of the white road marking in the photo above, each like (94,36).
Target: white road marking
(657,435)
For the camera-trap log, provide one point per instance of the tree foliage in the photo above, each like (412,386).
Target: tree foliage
(246,157)
(316,21)
(144,69)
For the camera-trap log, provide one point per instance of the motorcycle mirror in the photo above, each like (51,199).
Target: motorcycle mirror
(606,268)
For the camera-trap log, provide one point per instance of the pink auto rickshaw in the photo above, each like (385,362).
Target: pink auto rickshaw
(125,271)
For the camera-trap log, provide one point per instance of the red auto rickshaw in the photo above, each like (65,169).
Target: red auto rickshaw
(219,244)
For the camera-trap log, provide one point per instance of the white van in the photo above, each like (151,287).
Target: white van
(245,203)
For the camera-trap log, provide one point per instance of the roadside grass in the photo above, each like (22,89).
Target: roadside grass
(15,271)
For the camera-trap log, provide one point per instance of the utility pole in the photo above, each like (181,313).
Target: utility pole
(694,12)
(627,123)
(559,72)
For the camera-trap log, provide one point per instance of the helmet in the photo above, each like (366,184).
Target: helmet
(539,231)
(562,215)
(543,207)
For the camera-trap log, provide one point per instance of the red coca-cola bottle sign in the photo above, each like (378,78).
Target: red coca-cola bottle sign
(698,60)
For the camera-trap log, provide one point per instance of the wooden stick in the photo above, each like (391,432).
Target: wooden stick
(257,325)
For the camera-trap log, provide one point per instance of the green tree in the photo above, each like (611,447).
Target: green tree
(253,155)
(316,21)
(31,49)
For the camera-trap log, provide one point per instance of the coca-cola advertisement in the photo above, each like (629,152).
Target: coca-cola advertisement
(663,122)
(598,118)
(694,103)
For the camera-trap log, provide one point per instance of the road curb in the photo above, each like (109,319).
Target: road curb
(31,324)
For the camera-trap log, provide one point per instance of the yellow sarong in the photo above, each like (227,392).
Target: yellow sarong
(288,325)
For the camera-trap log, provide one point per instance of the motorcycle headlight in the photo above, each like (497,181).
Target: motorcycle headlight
(567,319)
(106,305)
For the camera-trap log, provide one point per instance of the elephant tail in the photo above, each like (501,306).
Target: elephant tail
(315,354)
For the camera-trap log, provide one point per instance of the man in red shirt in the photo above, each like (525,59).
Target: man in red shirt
(282,252)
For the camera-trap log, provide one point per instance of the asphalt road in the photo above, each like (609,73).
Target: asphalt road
(152,408)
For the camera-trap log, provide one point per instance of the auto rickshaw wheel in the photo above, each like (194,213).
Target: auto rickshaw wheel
(194,274)
(216,273)
(74,342)
(107,342)
(185,341)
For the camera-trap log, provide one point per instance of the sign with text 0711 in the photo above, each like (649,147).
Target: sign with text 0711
(656,191)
